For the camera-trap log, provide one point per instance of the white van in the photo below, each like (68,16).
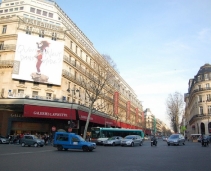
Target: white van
(194,137)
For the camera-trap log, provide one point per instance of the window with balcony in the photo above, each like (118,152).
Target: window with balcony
(38,11)
(208,97)
(1,45)
(20,93)
(35,94)
(44,13)
(1,11)
(28,30)
(21,8)
(11,9)
(54,36)
(200,98)
(32,10)
(209,109)
(199,78)
(16,9)
(206,76)
(6,10)
(21,82)
(207,86)
(49,86)
(50,15)
(199,86)
(41,33)
(71,45)
(35,84)
(200,110)
(48,96)
(76,49)
(4,29)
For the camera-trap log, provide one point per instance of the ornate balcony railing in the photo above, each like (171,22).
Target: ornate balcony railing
(199,116)
(7,47)
(6,63)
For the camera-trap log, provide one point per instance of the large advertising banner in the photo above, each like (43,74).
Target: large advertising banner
(38,59)
(116,102)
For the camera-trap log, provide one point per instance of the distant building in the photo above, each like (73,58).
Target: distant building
(198,103)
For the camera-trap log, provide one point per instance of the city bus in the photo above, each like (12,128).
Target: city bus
(105,133)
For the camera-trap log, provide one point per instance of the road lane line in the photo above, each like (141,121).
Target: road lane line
(6,154)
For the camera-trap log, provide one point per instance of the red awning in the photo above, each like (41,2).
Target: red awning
(96,119)
(49,112)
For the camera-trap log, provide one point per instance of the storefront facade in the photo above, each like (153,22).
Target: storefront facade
(20,116)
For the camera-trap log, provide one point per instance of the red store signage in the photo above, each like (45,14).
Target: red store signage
(49,112)
(95,118)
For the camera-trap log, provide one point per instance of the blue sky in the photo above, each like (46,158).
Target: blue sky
(158,45)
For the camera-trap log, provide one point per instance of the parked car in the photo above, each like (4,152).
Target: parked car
(100,141)
(165,138)
(132,140)
(65,140)
(176,139)
(4,140)
(115,140)
(31,140)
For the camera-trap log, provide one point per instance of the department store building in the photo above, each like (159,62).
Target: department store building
(42,56)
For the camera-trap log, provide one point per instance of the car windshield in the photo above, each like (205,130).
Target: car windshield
(80,138)
(174,136)
(129,137)
(112,138)
(36,137)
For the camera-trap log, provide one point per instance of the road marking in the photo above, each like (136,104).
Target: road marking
(6,154)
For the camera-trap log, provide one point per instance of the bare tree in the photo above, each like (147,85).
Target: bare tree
(174,107)
(98,87)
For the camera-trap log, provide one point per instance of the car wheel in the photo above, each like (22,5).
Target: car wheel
(141,143)
(113,144)
(59,148)
(183,143)
(0,142)
(35,145)
(85,148)
(23,144)
(132,144)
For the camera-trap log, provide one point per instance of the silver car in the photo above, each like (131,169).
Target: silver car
(132,140)
(176,139)
(4,140)
(116,140)
(31,140)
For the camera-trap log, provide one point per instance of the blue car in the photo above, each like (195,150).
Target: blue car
(65,141)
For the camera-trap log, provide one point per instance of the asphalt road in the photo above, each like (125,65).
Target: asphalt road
(190,157)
